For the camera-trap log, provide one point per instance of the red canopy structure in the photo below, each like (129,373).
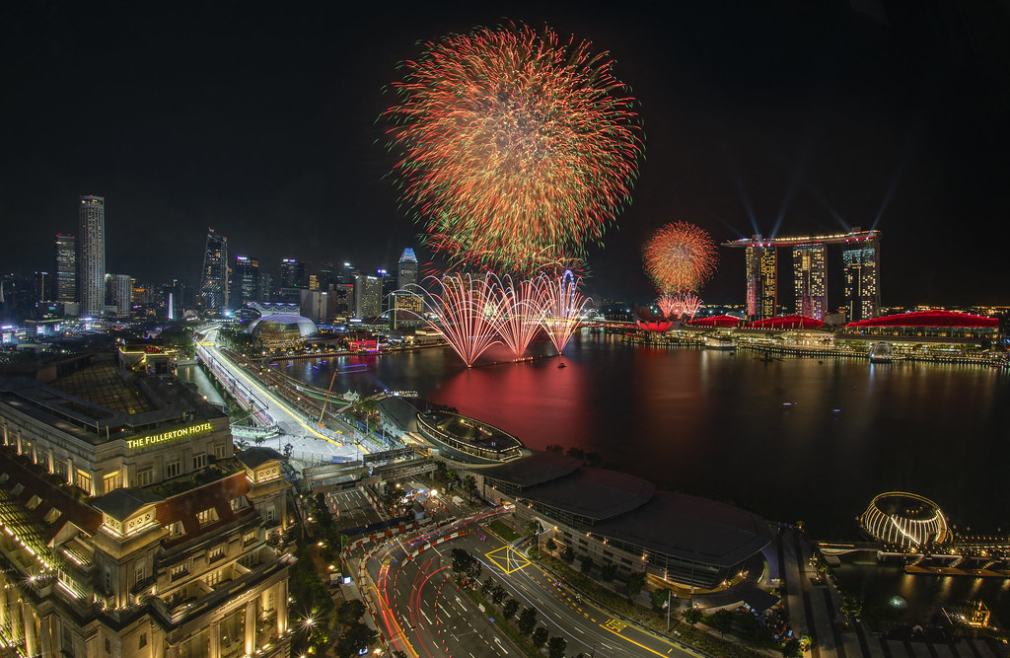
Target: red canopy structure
(929,319)
(715,321)
(787,322)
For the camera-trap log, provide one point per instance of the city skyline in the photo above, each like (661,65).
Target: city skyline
(740,135)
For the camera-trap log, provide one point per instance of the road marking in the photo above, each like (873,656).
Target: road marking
(615,625)
(498,642)
(426,617)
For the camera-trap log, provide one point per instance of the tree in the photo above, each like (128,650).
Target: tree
(556,647)
(527,621)
(450,475)
(486,587)
(350,611)
(692,616)
(354,639)
(587,564)
(660,597)
(792,648)
(540,637)
(470,482)
(532,528)
(554,447)
(608,572)
(722,621)
(550,544)
(460,560)
(594,458)
(498,594)
(577,453)
(635,583)
(568,554)
(510,608)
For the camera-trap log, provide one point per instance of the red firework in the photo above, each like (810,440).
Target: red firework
(517,147)
(680,257)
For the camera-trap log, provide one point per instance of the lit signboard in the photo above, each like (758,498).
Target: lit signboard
(133,444)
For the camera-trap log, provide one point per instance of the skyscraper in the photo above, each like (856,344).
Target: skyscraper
(42,288)
(293,273)
(66,268)
(861,260)
(367,296)
(762,281)
(91,264)
(245,280)
(119,292)
(214,275)
(406,272)
(810,273)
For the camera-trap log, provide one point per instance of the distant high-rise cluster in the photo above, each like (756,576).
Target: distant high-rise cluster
(66,268)
(860,258)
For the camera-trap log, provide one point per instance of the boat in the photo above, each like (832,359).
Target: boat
(562,365)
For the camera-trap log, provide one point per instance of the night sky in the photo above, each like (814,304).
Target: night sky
(262,124)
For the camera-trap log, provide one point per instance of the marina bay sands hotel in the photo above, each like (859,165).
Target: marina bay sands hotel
(860,262)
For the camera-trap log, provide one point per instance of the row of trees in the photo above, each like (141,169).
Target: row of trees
(466,565)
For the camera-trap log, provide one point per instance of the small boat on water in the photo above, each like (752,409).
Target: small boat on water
(562,365)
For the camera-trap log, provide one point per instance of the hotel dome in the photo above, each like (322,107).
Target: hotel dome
(906,520)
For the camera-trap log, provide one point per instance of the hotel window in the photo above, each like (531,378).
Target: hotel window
(199,461)
(215,554)
(60,468)
(173,469)
(145,477)
(84,481)
(208,515)
(248,538)
(268,513)
(110,482)
(176,529)
(139,575)
(219,451)
(178,571)
(237,503)
(143,641)
(213,579)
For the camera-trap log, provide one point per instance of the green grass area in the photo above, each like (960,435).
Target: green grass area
(503,531)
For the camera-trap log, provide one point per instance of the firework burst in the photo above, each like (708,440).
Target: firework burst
(518,147)
(463,311)
(519,313)
(680,257)
(563,306)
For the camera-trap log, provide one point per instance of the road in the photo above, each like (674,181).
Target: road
(303,433)
(425,614)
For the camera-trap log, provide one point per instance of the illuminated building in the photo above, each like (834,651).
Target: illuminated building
(861,260)
(810,263)
(245,280)
(343,299)
(282,330)
(292,273)
(42,287)
(367,296)
(171,552)
(407,309)
(214,275)
(406,272)
(618,519)
(762,281)
(91,260)
(905,520)
(118,293)
(327,276)
(317,305)
(66,268)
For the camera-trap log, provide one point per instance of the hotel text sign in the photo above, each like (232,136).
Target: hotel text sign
(133,444)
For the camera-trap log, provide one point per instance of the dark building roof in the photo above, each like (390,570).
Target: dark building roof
(186,506)
(537,469)
(121,503)
(929,319)
(400,412)
(51,496)
(596,493)
(691,528)
(257,456)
